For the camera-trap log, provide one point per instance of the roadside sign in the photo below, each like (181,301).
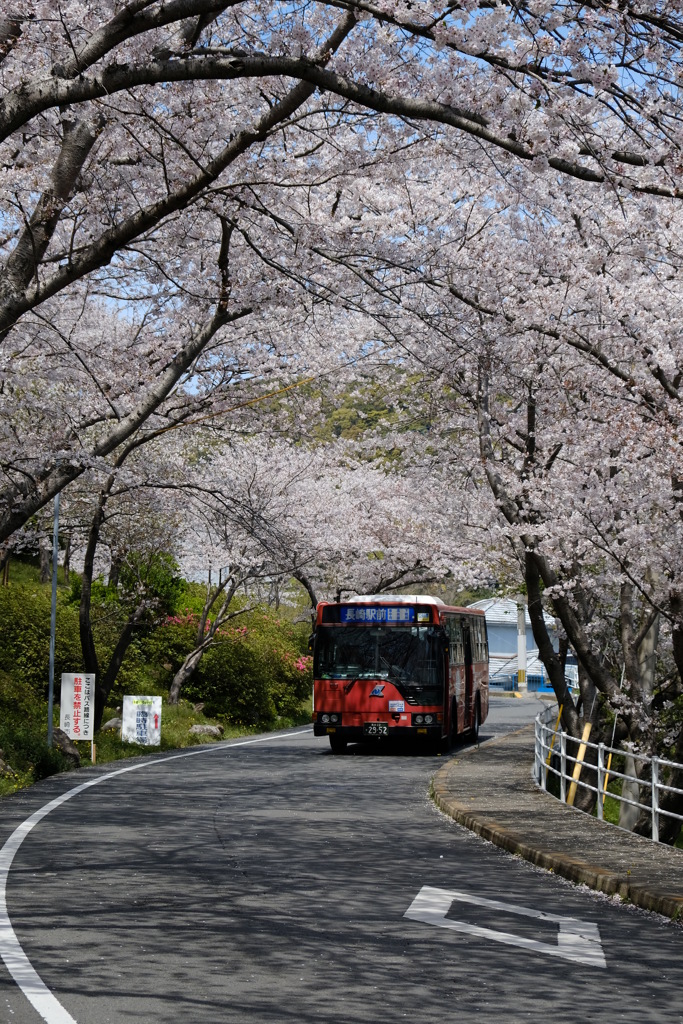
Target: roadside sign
(141,721)
(77,705)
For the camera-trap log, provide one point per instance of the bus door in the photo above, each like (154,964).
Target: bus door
(469,673)
(448,681)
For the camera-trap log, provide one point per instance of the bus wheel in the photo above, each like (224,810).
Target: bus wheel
(338,744)
(474,731)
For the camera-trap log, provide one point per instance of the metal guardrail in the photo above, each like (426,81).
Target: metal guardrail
(509,681)
(552,758)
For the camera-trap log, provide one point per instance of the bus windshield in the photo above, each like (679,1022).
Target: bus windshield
(410,656)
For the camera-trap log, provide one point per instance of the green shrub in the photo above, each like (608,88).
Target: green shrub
(255,673)
(23,741)
(233,679)
(25,636)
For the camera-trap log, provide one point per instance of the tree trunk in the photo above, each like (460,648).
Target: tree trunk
(553,664)
(103,686)
(227,587)
(303,579)
(645,658)
(67,558)
(44,559)
(184,673)
(88,651)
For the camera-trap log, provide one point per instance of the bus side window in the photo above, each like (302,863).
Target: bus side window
(480,644)
(475,633)
(476,644)
(455,633)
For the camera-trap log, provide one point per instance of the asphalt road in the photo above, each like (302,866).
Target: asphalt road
(269,882)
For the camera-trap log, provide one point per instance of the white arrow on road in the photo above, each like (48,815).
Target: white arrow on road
(578,941)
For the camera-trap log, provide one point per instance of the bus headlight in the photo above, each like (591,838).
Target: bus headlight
(419,719)
(325,718)
(429,719)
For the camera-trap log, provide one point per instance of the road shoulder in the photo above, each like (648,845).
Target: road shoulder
(490,790)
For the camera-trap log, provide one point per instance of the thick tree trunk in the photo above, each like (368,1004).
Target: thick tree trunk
(553,664)
(640,658)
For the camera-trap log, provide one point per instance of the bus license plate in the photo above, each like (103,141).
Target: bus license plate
(376,729)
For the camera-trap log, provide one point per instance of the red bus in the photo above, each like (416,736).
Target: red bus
(388,666)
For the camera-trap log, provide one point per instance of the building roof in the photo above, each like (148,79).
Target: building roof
(503,611)
(395,598)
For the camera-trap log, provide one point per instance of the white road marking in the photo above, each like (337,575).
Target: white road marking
(11,951)
(578,941)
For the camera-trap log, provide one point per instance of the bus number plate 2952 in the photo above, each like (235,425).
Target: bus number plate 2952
(376,729)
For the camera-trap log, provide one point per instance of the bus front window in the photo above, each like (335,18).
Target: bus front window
(410,656)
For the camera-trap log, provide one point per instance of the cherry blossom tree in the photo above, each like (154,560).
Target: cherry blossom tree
(127,130)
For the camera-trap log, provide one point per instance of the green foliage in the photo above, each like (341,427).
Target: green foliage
(256,672)
(154,574)
(25,636)
(397,404)
(23,736)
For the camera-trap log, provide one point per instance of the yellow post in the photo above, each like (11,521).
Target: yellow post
(604,791)
(571,795)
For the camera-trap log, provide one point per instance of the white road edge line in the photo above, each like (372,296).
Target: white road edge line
(11,951)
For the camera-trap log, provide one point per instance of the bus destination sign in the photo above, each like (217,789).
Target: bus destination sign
(376,613)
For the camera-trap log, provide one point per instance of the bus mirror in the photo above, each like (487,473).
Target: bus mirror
(310,642)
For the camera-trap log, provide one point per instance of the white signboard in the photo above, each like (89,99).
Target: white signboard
(141,721)
(77,705)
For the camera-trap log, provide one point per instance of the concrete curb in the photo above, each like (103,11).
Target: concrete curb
(568,865)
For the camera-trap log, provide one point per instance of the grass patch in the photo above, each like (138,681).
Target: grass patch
(25,746)
(612,807)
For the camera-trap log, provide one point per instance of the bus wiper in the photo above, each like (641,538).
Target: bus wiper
(350,685)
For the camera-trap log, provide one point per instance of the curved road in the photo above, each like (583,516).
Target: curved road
(269,881)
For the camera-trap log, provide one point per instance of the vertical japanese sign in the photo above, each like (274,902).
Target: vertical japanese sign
(77,705)
(141,721)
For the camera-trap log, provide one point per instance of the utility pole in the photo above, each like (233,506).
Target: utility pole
(53,623)
(521,645)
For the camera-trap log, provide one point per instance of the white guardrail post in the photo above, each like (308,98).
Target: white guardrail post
(540,740)
(545,738)
(655,799)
